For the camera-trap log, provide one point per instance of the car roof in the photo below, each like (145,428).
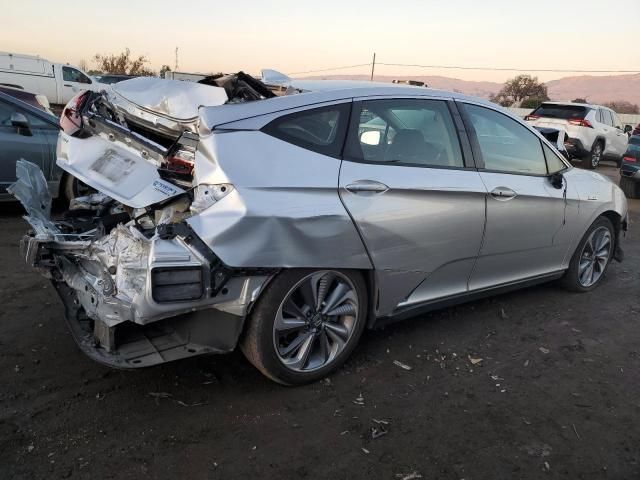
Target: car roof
(588,105)
(325,91)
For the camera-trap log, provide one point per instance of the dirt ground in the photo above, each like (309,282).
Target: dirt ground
(555,395)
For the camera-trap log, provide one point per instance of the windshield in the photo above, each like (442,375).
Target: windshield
(565,112)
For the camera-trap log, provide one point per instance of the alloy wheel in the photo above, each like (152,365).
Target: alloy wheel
(596,154)
(315,321)
(594,257)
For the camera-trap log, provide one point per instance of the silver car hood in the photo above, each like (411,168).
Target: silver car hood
(171,98)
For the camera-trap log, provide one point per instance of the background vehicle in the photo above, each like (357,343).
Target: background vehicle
(313,217)
(110,79)
(31,133)
(630,169)
(33,99)
(59,83)
(594,133)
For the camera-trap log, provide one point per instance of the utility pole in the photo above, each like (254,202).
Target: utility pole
(176,69)
(373,65)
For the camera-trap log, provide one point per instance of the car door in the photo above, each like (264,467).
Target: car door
(610,147)
(620,139)
(19,143)
(73,82)
(416,199)
(527,230)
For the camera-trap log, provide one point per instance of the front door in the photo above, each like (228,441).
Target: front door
(419,208)
(527,232)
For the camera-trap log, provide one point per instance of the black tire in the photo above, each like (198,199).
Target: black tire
(619,162)
(571,281)
(630,187)
(593,159)
(71,188)
(258,343)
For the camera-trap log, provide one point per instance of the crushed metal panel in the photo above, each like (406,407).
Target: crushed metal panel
(173,98)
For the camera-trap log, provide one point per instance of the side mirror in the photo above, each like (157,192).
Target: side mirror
(19,121)
(371,137)
(628,128)
(557,180)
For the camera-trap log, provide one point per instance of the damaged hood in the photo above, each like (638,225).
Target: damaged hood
(172,98)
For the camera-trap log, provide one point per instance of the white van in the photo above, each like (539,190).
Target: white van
(59,83)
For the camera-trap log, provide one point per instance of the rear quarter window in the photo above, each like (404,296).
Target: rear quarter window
(321,130)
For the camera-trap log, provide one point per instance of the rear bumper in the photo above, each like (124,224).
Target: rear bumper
(576,148)
(629,170)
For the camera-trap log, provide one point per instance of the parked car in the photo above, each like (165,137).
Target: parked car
(36,100)
(110,79)
(630,169)
(594,132)
(288,225)
(31,133)
(58,82)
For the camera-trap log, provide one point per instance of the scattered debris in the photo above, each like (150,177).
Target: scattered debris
(30,448)
(359,400)
(365,450)
(503,314)
(326,381)
(380,422)
(158,395)
(404,366)
(547,467)
(544,350)
(183,404)
(100,396)
(575,431)
(378,431)
(17,368)
(344,433)
(526,363)
(526,422)
(474,361)
(408,476)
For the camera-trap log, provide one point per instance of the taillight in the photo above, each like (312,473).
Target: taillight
(532,117)
(629,159)
(580,122)
(181,161)
(71,120)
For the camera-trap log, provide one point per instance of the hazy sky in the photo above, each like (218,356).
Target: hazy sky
(294,36)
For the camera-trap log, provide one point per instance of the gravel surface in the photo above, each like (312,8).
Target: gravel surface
(534,384)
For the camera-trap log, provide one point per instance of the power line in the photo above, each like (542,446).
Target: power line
(459,67)
(332,68)
(499,69)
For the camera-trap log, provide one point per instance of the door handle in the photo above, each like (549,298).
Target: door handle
(67,85)
(503,193)
(367,186)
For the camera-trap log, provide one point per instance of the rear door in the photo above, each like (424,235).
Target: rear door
(527,233)
(611,143)
(73,82)
(416,199)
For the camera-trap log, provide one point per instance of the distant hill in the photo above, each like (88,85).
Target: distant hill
(597,89)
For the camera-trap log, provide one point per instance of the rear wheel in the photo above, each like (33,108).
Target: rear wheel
(592,160)
(592,257)
(306,324)
(630,187)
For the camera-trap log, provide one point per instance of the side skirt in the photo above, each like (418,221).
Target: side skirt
(421,308)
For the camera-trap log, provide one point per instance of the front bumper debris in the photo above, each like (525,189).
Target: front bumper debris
(132,301)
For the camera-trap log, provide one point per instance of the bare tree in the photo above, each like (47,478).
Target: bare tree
(522,87)
(579,100)
(84,65)
(622,106)
(123,64)
(164,70)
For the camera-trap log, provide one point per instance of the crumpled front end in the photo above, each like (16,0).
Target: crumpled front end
(134,298)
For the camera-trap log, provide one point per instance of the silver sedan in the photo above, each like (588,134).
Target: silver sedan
(288,225)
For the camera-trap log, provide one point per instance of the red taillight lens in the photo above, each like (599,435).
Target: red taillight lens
(532,117)
(580,122)
(629,159)
(71,120)
(181,161)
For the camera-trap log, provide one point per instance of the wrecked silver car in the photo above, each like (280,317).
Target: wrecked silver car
(287,225)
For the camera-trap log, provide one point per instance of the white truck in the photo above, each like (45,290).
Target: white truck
(58,82)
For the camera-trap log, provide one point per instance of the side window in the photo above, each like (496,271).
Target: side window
(7,109)
(506,145)
(606,115)
(321,130)
(599,117)
(72,75)
(554,164)
(616,120)
(404,132)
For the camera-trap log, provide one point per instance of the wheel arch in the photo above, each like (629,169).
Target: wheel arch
(618,226)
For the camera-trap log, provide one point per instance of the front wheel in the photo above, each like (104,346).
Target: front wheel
(306,324)
(592,257)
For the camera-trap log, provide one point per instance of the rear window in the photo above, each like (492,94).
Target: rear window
(321,130)
(564,112)
(634,140)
